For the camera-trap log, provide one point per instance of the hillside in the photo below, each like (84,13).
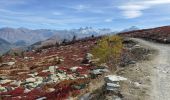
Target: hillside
(159,34)
(68,70)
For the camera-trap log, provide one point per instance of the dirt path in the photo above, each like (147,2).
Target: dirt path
(161,71)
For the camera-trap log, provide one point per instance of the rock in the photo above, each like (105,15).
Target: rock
(30,80)
(10,63)
(54,78)
(88,58)
(52,69)
(113,85)
(2,89)
(42,98)
(112,82)
(96,72)
(137,46)
(61,76)
(58,60)
(74,69)
(28,58)
(31,85)
(5,81)
(7,64)
(136,84)
(26,90)
(114,78)
(45,70)
(51,89)
(99,71)
(16,83)
(39,78)
(111,88)
(85,97)
(71,77)
(78,87)
(132,62)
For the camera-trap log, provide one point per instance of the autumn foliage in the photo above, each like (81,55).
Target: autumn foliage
(108,49)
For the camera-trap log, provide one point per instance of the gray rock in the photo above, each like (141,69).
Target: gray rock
(42,98)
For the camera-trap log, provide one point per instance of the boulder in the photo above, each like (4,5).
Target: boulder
(114,78)
(52,69)
(112,82)
(88,57)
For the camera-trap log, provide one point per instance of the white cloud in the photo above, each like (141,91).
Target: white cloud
(57,13)
(108,20)
(135,9)
(5,3)
(80,7)
(6,11)
(88,8)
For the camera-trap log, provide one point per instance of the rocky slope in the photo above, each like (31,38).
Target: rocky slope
(60,72)
(159,34)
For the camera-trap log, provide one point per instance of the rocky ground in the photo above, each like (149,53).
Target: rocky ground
(68,72)
(139,75)
(160,68)
(132,67)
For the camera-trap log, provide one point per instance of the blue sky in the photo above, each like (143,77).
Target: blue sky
(68,14)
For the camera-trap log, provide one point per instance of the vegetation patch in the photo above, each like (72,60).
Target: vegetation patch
(108,49)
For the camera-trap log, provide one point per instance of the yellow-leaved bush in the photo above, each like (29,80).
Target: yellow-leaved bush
(108,49)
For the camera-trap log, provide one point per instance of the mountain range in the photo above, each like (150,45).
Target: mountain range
(23,37)
(19,37)
(132,28)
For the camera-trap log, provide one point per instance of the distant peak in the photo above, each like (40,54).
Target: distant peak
(23,28)
(132,28)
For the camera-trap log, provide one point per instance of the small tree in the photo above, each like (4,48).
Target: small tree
(57,44)
(22,54)
(64,41)
(74,38)
(1,60)
(16,54)
(92,36)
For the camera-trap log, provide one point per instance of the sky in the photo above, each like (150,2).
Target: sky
(68,14)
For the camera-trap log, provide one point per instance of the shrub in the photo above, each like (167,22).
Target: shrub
(108,49)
